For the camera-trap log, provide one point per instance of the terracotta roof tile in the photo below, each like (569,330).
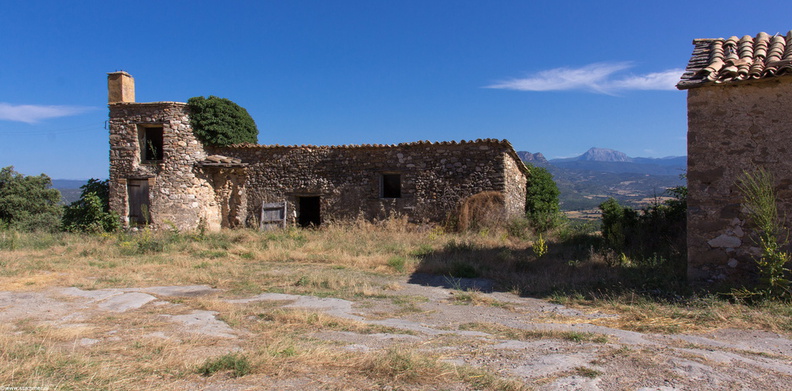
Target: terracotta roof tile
(353,146)
(735,59)
(503,143)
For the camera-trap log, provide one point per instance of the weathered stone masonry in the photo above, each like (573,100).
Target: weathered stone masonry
(188,184)
(724,141)
(178,192)
(739,119)
(347,179)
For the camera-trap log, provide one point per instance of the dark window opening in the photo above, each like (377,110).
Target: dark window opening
(391,186)
(309,213)
(151,143)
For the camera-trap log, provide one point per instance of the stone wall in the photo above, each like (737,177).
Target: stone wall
(434,177)
(516,185)
(179,193)
(225,187)
(733,128)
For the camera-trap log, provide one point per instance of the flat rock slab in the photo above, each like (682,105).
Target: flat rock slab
(126,301)
(38,305)
(547,364)
(577,383)
(335,307)
(65,306)
(112,299)
(176,291)
(203,322)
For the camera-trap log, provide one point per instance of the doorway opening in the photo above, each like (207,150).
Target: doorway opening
(138,192)
(309,211)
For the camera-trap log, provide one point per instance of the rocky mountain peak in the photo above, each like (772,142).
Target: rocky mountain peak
(534,158)
(604,155)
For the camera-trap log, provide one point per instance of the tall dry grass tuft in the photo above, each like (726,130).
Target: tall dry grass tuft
(482,210)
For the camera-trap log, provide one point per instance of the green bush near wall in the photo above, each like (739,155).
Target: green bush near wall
(91,213)
(220,122)
(541,203)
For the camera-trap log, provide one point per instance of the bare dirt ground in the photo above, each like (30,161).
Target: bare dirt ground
(543,345)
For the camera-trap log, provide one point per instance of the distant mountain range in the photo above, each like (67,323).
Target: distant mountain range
(598,155)
(68,183)
(69,188)
(608,160)
(587,180)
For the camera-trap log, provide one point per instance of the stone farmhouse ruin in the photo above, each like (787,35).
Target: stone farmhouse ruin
(739,118)
(161,174)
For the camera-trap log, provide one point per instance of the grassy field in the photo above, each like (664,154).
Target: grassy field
(353,260)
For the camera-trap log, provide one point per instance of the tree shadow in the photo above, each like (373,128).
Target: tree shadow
(451,282)
(573,264)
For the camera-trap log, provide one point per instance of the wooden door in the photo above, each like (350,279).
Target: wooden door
(273,215)
(138,191)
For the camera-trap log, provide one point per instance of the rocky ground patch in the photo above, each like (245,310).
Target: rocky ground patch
(464,323)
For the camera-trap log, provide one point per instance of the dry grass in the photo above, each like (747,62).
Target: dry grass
(344,260)
(485,209)
(692,314)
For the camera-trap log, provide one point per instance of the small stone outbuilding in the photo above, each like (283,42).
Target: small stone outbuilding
(739,118)
(161,174)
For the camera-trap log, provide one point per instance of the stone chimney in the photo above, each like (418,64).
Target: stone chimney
(120,87)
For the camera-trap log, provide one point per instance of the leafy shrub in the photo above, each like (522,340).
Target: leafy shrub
(760,200)
(236,363)
(519,228)
(654,237)
(616,222)
(28,203)
(541,204)
(658,228)
(91,213)
(540,247)
(221,122)
(146,241)
(397,263)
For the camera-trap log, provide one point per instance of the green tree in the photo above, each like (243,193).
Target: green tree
(91,213)
(541,204)
(655,230)
(616,220)
(28,203)
(221,122)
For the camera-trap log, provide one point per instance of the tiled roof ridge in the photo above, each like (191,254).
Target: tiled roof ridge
(164,102)
(733,59)
(504,143)
(350,146)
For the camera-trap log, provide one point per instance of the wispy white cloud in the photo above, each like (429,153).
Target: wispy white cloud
(599,77)
(35,113)
(665,80)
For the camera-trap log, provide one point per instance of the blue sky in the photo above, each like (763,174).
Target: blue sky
(553,78)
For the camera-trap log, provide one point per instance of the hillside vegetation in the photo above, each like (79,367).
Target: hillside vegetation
(588,180)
